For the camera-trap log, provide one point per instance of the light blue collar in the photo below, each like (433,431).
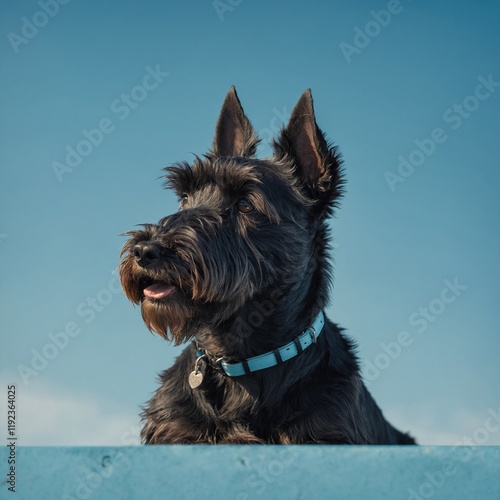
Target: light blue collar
(271,358)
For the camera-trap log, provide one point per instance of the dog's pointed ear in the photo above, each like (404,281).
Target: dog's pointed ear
(301,143)
(234,134)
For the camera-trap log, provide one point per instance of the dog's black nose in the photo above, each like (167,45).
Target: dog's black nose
(146,253)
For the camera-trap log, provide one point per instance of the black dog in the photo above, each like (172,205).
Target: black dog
(242,270)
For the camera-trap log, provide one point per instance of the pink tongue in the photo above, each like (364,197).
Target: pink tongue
(158,291)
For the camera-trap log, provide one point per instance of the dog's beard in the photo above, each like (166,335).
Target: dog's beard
(169,317)
(166,309)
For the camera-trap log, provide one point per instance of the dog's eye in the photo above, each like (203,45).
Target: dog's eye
(244,206)
(184,200)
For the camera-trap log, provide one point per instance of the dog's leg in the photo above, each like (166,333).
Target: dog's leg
(240,436)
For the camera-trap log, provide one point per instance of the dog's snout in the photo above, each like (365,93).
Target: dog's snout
(146,253)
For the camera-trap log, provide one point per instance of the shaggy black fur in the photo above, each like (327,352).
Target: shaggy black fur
(242,269)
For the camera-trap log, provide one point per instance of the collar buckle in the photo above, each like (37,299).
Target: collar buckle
(313,333)
(211,360)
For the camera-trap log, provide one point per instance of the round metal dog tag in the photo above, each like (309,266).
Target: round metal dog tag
(195,379)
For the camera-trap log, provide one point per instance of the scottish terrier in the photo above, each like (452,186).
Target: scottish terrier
(243,271)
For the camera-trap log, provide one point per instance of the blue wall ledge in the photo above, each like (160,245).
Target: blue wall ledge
(252,471)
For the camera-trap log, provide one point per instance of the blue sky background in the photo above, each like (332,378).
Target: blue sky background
(59,241)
